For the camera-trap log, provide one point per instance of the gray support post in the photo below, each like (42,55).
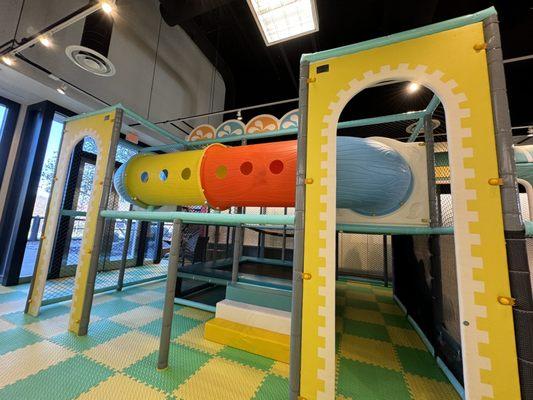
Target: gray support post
(434,221)
(385,262)
(124,259)
(217,238)
(170,292)
(430,162)
(262,237)
(237,250)
(517,261)
(284,240)
(100,222)
(299,231)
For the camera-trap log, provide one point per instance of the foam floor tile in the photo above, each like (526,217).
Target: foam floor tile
(359,380)
(419,362)
(193,313)
(357,314)
(424,388)
(369,351)
(194,338)
(183,363)
(245,358)
(280,369)
(52,326)
(137,317)
(122,387)
(63,381)
(113,307)
(5,325)
(29,360)
(180,325)
(273,387)
(16,338)
(123,351)
(405,337)
(221,379)
(99,332)
(144,297)
(19,318)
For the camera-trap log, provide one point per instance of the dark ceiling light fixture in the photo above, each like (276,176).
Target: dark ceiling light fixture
(91,54)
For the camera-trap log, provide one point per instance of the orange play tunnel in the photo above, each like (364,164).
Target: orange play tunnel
(263,174)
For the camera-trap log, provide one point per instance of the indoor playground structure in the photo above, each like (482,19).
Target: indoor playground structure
(280,209)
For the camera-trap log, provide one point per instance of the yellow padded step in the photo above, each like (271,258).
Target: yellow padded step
(248,338)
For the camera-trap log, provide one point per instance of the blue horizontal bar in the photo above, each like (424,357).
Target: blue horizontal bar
(200,218)
(411,115)
(400,37)
(394,230)
(194,304)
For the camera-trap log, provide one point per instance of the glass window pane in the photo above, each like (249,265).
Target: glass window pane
(3,116)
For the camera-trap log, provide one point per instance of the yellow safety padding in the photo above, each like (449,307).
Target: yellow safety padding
(166,179)
(248,338)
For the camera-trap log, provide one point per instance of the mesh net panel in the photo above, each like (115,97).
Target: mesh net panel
(71,227)
(362,255)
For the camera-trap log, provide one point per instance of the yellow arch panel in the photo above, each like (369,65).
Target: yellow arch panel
(447,63)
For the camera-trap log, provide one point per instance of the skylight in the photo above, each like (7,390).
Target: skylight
(281,20)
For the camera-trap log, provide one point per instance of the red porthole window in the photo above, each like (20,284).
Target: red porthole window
(276,167)
(247,168)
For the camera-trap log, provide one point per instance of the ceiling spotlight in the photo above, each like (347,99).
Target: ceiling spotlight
(239,115)
(413,87)
(62,89)
(107,7)
(45,41)
(8,60)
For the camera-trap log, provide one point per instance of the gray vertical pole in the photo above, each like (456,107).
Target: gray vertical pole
(227,239)
(517,261)
(385,262)
(217,237)
(284,240)
(100,222)
(237,249)
(170,292)
(430,162)
(124,259)
(299,230)
(263,237)
(434,221)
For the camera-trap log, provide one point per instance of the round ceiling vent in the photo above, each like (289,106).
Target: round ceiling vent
(90,60)
(411,128)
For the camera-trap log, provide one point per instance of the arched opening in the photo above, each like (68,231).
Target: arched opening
(79,183)
(396,294)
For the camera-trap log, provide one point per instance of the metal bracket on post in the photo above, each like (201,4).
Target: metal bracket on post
(168,309)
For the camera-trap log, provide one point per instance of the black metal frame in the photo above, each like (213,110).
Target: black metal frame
(8,131)
(16,217)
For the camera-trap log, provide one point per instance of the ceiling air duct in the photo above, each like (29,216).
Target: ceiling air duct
(91,54)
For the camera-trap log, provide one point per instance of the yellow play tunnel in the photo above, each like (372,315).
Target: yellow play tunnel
(163,179)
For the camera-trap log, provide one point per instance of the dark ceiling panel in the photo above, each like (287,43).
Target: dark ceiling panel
(263,74)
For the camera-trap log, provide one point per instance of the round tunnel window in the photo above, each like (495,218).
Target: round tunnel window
(186,173)
(163,175)
(276,167)
(144,177)
(247,168)
(221,172)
